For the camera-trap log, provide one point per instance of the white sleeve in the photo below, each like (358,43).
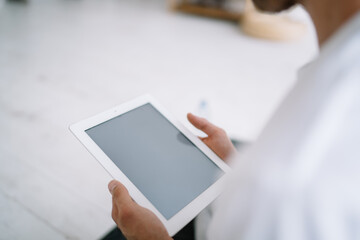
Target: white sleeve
(300,180)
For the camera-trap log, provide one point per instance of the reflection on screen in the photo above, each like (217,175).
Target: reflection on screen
(161,162)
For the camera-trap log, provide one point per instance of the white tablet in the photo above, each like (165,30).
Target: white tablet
(164,166)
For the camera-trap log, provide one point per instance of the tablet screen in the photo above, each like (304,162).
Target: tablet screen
(160,161)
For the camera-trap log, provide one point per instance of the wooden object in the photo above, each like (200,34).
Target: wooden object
(270,26)
(207,11)
(252,22)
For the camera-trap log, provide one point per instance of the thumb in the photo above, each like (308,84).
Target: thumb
(119,192)
(202,124)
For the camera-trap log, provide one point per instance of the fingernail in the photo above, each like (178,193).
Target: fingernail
(111,186)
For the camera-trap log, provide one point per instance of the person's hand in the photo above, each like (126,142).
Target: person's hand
(217,139)
(134,221)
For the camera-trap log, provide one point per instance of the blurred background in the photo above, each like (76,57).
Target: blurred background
(64,60)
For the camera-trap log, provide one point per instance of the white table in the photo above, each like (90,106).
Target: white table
(62,61)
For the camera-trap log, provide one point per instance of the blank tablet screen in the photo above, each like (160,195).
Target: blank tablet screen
(160,161)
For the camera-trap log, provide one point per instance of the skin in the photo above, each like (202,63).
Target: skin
(216,139)
(138,223)
(330,15)
(134,221)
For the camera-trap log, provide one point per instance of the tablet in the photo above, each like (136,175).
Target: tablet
(163,165)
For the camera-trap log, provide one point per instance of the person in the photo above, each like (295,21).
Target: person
(299,180)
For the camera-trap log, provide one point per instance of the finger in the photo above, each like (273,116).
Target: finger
(115,210)
(119,193)
(202,124)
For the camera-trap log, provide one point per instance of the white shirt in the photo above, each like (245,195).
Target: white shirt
(301,179)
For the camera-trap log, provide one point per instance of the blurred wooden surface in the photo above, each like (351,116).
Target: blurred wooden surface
(186,7)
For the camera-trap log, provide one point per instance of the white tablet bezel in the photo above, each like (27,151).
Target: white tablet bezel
(184,216)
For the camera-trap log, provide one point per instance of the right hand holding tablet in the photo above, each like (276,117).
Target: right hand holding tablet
(217,139)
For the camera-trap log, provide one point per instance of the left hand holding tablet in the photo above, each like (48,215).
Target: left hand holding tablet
(134,221)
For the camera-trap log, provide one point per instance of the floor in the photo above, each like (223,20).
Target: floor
(64,60)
